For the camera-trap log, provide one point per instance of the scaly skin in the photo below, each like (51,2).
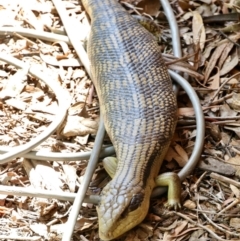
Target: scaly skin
(138,107)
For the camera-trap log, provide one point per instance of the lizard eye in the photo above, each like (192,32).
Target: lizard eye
(135,202)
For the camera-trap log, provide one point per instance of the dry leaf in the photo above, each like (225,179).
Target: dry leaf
(233,128)
(76,109)
(40,229)
(182,153)
(42,175)
(231,28)
(234,102)
(16,103)
(189,111)
(172,154)
(30,17)
(189,204)
(198,29)
(70,176)
(79,126)
(184,4)
(235,190)
(15,84)
(150,7)
(43,107)
(225,53)
(213,60)
(230,63)
(64,47)
(78,73)
(214,84)
(63,62)
(226,111)
(84,223)
(235,223)
(212,164)
(235,161)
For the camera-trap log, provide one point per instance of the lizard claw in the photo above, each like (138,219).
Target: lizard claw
(173,204)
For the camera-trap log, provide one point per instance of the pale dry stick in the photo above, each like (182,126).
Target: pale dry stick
(135,9)
(223,122)
(210,194)
(218,158)
(27,40)
(205,211)
(169,57)
(221,99)
(237,151)
(60,156)
(6,113)
(175,59)
(14,237)
(215,225)
(179,9)
(185,70)
(222,118)
(191,73)
(219,89)
(225,146)
(229,181)
(182,64)
(195,186)
(52,222)
(200,225)
(204,108)
(90,95)
(214,213)
(229,39)
(69,25)
(148,16)
(33,192)
(204,89)
(186,127)
(32,33)
(224,179)
(83,238)
(214,122)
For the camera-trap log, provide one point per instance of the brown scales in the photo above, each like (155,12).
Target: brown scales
(138,107)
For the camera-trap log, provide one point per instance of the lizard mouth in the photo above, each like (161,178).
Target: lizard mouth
(122,222)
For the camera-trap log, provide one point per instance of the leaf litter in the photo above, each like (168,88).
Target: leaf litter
(210,195)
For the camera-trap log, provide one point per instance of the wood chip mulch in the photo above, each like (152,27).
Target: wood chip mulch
(210,196)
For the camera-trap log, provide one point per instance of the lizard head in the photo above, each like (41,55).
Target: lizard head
(121,208)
